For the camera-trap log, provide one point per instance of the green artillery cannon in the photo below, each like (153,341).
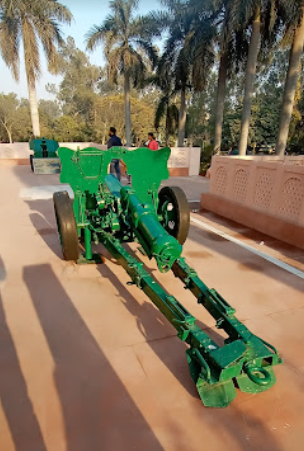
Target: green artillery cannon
(45,159)
(106,212)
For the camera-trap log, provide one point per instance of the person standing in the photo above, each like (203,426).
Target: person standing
(152,143)
(114,141)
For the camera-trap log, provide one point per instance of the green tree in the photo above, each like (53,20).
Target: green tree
(189,48)
(49,111)
(200,119)
(232,50)
(109,111)
(295,31)
(78,89)
(68,129)
(177,55)
(263,19)
(296,132)
(166,109)
(127,41)
(22,129)
(266,103)
(32,22)
(8,107)
(14,118)
(253,13)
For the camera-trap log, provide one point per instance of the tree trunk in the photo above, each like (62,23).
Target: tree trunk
(182,118)
(167,126)
(34,108)
(220,102)
(250,78)
(290,86)
(104,139)
(9,134)
(127,109)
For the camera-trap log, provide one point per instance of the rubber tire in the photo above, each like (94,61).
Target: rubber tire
(66,225)
(179,200)
(32,162)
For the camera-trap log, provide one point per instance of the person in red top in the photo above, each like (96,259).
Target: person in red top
(152,143)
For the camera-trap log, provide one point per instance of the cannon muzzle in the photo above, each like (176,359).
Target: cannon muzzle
(154,239)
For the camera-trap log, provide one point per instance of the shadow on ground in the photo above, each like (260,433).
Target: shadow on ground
(148,317)
(149,320)
(98,412)
(16,404)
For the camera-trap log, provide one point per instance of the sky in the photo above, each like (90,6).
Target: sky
(86,13)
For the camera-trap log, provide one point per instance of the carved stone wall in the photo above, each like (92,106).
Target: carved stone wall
(220,180)
(240,185)
(271,185)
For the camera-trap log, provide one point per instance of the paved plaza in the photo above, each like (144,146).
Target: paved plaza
(87,363)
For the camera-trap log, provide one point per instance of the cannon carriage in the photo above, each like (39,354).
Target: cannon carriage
(44,160)
(104,211)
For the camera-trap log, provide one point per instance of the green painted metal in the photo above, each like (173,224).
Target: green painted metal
(156,242)
(86,170)
(45,159)
(244,358)
(108,213)
(44,148)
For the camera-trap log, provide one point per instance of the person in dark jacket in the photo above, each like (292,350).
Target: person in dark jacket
(114,141)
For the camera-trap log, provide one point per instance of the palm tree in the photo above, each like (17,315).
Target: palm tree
(127,41)
(31,22)
(175,64)
(189,48)
(295,28)
(250,77)
(166,107)
(233,48)
(178,20)
(263,17)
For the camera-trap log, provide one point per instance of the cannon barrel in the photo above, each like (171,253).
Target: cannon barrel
(154,239)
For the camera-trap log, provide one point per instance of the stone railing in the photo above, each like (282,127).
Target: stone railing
(265,193)
(184,161)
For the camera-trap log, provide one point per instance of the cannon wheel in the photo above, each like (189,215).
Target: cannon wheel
(174,209)
(66,225)
(32,162)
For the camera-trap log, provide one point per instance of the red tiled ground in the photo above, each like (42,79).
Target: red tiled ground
(87,363)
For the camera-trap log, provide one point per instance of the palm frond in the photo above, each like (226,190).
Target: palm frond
(50,36)
(95,36)
(55,10)
(115,64)
(145,27)
(149,49)
(162,19)
(138,69)
(161,111)
(111,40)
(172,119)
(10,42)
(33,22)
(242,11)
